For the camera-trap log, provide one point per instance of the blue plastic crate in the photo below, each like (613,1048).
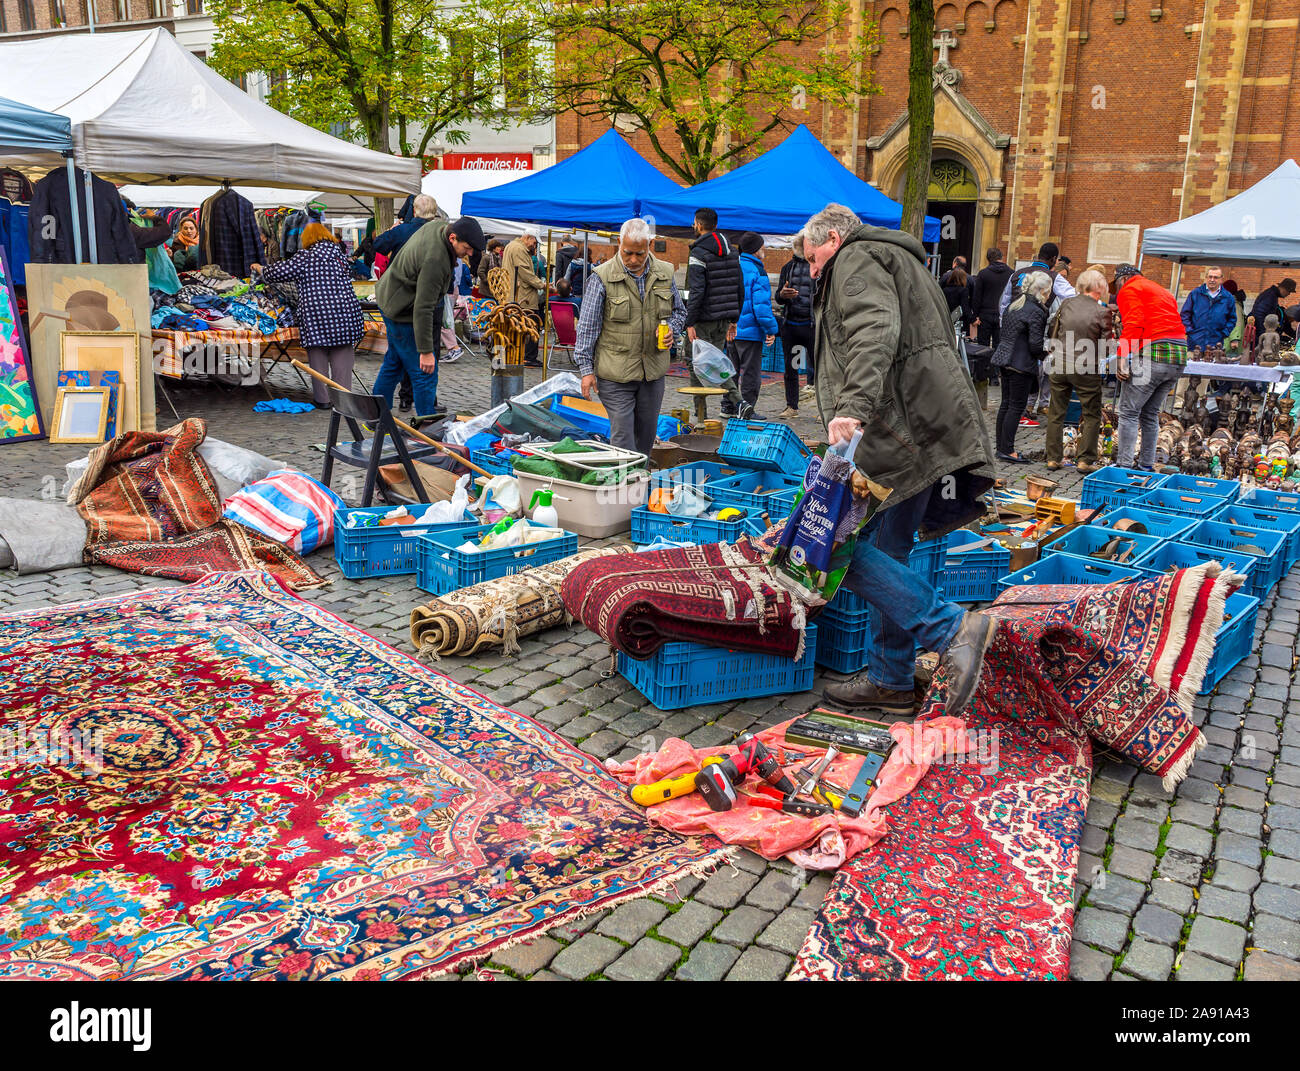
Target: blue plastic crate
(973,575)
(772,493)
(1164,525)
(1254,515)
(1234,640)
(691,674)
(696,473)
(1287,501)
(774,356)
(492,462)
(579,418)
(648,525)
(441,568)
(386,550)
(761,444)
(927,559)
(1269,566)
(1087,539)
(1176,555)
(1203,485)
(1185,503)
(1115,486)
(1070,569)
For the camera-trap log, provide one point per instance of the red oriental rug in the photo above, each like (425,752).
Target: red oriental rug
(975,877)
(151,506)
(718,593)
(225,781)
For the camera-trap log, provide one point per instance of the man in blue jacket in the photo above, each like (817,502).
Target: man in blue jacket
(1209,314)
(757,324)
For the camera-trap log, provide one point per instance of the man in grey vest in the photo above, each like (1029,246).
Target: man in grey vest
(619,350)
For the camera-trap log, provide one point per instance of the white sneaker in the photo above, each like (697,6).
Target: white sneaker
(808,394)
(452,357)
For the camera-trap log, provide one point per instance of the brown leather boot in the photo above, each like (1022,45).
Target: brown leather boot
(964,659)
(858,693)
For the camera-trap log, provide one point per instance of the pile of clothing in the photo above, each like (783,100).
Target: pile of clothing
(213,300)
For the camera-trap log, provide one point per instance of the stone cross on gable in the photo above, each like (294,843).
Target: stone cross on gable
(944,42)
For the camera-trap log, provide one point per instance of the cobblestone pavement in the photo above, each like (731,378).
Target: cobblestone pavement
(1201,883)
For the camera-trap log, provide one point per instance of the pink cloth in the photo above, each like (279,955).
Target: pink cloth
(821,843)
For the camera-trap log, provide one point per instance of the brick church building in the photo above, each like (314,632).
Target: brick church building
(1083,122)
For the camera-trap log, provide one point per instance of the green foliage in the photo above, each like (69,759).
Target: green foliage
(716,74)
(418,65)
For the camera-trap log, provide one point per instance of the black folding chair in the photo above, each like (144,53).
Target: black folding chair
(370,453)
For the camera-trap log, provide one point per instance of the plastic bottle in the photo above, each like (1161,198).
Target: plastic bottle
(493,538)
(544,514)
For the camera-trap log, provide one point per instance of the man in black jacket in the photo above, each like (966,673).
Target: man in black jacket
(1270,301)
(985,294)
(717,288)
(794,291)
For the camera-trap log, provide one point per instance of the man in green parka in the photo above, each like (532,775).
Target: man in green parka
(887,364)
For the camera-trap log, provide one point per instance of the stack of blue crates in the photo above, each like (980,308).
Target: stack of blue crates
(761,472)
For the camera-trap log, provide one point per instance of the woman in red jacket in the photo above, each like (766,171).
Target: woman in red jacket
(1152,352)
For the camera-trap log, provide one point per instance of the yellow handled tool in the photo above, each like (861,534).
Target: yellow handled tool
(667,789)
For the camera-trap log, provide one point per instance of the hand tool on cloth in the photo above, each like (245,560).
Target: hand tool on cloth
(718,778)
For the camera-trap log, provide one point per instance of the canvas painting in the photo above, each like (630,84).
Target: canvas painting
(20,415)
(89,297)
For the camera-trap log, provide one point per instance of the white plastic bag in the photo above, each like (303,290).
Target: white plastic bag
(501,492)
(712,365)
(449,512)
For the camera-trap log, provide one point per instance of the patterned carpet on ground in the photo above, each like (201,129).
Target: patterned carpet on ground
(975,879)
(225,781)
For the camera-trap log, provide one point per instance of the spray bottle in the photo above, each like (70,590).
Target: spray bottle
(544,514)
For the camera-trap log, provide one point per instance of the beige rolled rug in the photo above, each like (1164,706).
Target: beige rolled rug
(496,613)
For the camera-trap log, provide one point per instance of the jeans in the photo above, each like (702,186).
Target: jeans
(987,331)
(905,609)
(1089,390)
(633,410)
(797,342)
(506,387)
(333,361)
(747,356)
(1139,411)
(1015,390)
(404,354)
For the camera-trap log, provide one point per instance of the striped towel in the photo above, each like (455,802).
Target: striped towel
(289,507)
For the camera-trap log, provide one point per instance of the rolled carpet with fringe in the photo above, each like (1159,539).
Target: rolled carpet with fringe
(497,613)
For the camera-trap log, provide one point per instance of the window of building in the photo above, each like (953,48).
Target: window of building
(4,20)
(26,15)
(516,75)
(160,9)
(58,13)
(121,10)
(194,7)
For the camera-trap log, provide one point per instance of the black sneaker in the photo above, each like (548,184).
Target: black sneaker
(746,411)
(405,405)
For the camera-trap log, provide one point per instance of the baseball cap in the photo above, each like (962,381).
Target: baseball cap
(467,230)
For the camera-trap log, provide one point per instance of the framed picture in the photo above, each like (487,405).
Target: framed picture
(20,412)
(80,414)
(107,351)
(96,298)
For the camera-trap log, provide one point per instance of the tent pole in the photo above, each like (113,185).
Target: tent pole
(1178,278)
(76,216)
(90,218)
(546,311)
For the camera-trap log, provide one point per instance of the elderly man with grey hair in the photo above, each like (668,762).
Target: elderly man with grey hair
(524,286)
(888,367)
(620,350)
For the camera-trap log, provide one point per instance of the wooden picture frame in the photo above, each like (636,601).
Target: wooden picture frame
(80,415)
(107,351)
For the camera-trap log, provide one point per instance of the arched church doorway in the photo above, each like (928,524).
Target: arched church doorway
(952,199)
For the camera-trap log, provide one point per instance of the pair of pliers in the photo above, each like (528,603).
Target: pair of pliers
(771,798)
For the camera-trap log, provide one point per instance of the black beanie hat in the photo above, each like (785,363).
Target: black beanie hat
(751,242)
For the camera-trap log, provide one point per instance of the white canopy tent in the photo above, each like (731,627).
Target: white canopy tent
(193,196)
(144,110)
(1260,225)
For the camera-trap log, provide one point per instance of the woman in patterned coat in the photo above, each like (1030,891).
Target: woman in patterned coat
(328,314)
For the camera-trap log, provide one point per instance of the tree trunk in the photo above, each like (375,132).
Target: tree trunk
(920,114)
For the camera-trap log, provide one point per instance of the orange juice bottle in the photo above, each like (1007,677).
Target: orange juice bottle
(665,335)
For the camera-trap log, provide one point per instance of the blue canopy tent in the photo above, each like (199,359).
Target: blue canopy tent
(598,188)
(778,192)
(34,137)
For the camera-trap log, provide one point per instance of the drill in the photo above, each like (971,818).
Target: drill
(717,781)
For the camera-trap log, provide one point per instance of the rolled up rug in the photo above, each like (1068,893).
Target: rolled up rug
(496,613)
